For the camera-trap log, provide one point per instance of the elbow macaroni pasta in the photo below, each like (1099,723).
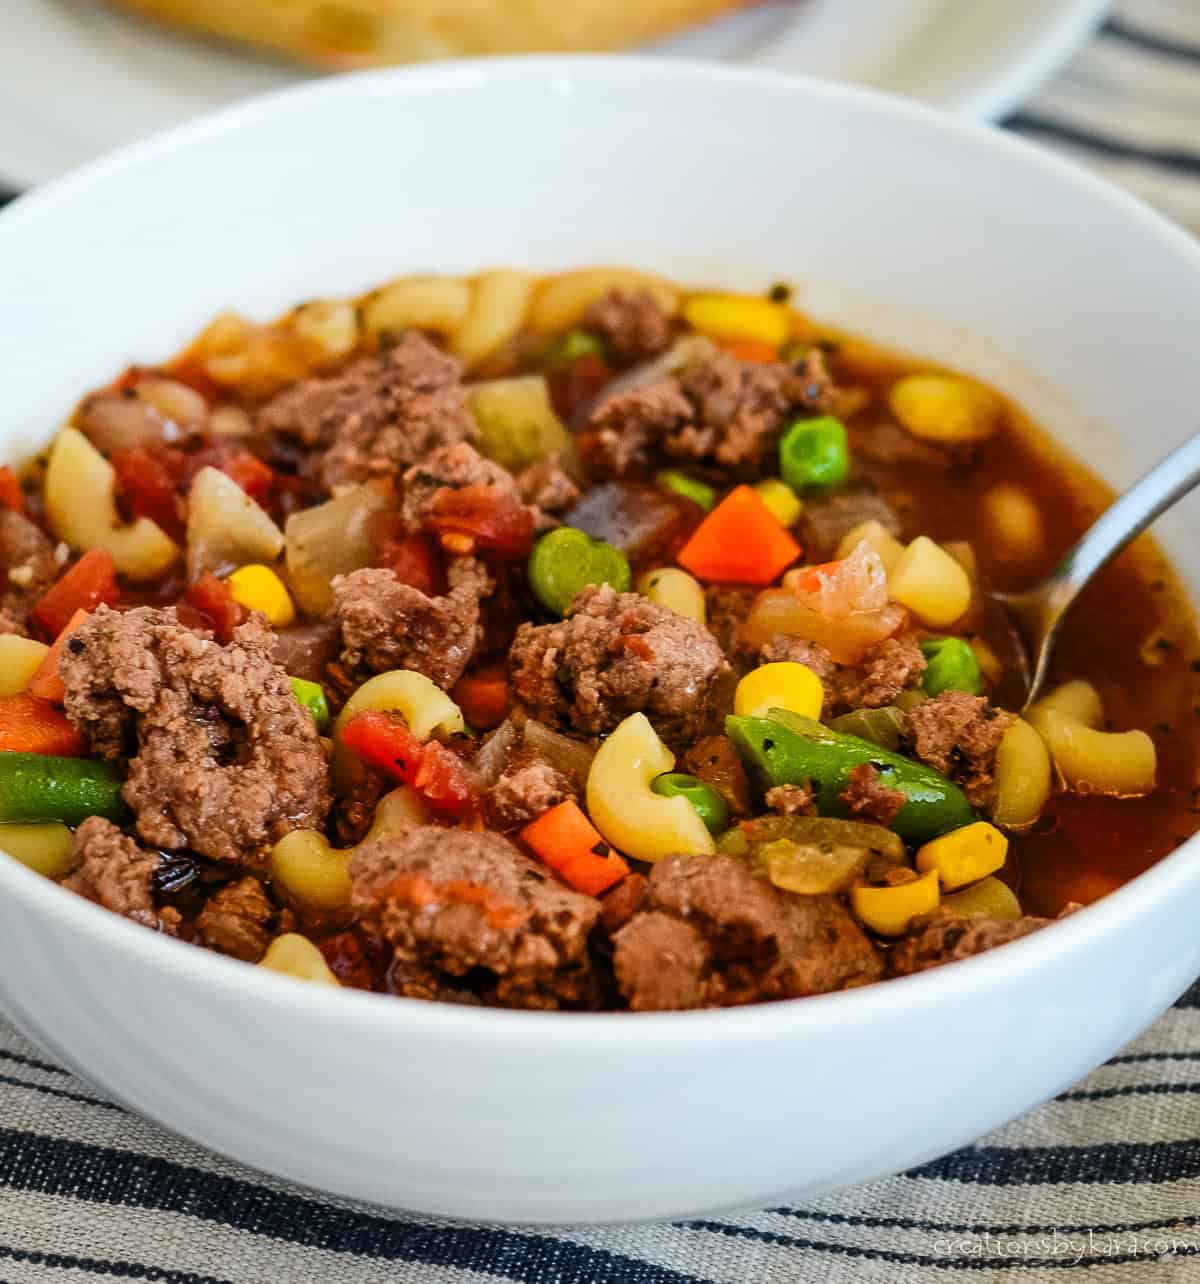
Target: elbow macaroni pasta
(626,811)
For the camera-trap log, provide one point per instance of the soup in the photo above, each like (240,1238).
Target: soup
(573,643)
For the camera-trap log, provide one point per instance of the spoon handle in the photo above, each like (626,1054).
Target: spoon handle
(1165,483)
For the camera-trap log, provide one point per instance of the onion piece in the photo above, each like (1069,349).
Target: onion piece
(331,539)
(226,528)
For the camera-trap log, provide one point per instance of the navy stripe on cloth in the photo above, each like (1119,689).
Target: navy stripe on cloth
(1175,159)
(1121,29)
(1127,1163)
(55,1166)
(98,1266)
(986,1228)
(46,1091)
(980,1263)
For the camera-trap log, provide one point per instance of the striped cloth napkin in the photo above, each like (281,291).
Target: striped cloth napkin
(1105,1179)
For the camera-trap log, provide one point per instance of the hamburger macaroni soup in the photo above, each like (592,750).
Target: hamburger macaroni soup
(579,642)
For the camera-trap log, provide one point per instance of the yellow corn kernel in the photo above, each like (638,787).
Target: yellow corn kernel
(295,955)
(258,588)
(20,659)
(889,910)
(965,855)
(930,583)
(1014,521)
(877,538)
(782,685)
(627,811)
(44,846)
(989,896)
(675,589)
(781,499)
(307,868)
(738,316)
(945,408)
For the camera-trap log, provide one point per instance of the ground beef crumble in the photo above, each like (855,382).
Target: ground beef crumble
(721,411)
(110,869)
(945,937)
(710,933)
(612,655)
(791,800)
(449,468)
(28,567)
(548,489)
(632,324)
(958,734)
(238,920)
(524,792)
(386,624)
(893,666)
(864,798)
(221,757)
(465,904)
(380,415)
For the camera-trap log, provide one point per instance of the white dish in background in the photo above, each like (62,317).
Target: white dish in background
(568,1117)
(77,78)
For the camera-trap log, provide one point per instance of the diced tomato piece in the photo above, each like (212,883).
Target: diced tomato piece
(234,460)
(90,582)
(189,369)
(214,599)
(148,483)
(250,473)
(349,961)
(190,618)
(483,696)
(578,383)
(492,520)
(12,496)
(444,781)
(30,725)
(385,743)
(382,741)
(414,559)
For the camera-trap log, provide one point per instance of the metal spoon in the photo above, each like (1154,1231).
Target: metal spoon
(1039,612)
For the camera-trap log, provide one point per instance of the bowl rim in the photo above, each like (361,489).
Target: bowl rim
(969,978)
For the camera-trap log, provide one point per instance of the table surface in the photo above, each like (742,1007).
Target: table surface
(1105,1179)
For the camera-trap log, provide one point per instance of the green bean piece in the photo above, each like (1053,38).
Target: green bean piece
(786,749)
(567,560)
(572,345)
(880,726)
(36,786)
(951,666)
(672,479)
(312,696)
(814,452)
(708,804)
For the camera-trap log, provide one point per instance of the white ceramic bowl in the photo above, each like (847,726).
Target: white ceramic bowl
(910,226)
